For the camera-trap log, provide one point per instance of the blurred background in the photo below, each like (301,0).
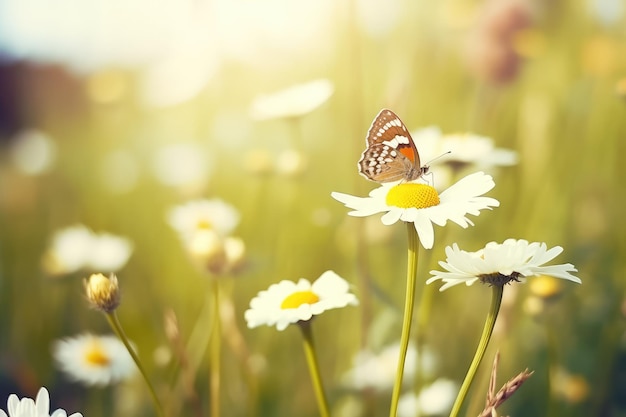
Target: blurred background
(113,112)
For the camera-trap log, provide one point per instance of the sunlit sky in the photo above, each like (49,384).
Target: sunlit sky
(88,34)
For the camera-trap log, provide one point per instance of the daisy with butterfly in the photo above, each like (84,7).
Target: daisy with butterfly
(391,159)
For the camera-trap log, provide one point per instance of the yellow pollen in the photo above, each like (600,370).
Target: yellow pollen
(296,299)
(204,224)
(95,355)
(409,195)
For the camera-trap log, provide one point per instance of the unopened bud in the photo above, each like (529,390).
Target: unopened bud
(103,293)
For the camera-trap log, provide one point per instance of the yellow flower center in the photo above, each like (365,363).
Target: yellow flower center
(204,224)
(95,355)
(409,195)
(296,299)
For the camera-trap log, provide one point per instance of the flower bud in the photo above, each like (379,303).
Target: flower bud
(103,293)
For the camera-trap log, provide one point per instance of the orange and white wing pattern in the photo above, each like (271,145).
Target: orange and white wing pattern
(391,154)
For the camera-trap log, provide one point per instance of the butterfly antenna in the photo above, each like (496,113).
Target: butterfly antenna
(437,157)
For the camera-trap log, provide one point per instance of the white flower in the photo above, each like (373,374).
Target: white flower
(215,214)
(93,360)
(108,252)
(294,101)
(77,247)
(464,148)
(26,407)
(378,370)
(470,148)
(421,205)
(288,302)
(215,254)
(435,399)
(499,263)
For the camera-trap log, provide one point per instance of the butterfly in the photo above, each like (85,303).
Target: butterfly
(390,154)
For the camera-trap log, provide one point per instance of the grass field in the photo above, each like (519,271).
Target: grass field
(116,145)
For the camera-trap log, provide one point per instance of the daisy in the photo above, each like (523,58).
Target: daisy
(377,370)
(214,253)
(501,263)
(294,101)
(470,148)
(421,205)
(93,360)
(40,407)
(289,302)
(465,149)
(214,214)
(77,247)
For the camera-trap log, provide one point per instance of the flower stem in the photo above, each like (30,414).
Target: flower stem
(215,353)
(119,331)
(311,358)
(496,299)
(411,278)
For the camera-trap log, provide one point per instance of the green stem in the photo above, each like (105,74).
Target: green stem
(411,278)
(496,299)
(215,352)
(119,331)
(311,358)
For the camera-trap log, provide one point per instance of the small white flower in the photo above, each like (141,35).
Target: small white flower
(421,205)
(433,400)
(40,407)
(77,247)
(294,101)
(378,370)
(288,302)
(499,263)
(94,360)
(214,214)
(216,254)
(465,148)
(470,148)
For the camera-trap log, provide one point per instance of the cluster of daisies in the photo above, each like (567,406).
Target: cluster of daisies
(205,229)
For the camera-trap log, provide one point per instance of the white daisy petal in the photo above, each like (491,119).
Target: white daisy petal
(26,407)
(425,232)
(287,302)
(391,217)
(517,259)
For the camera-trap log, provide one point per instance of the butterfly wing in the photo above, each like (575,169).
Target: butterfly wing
(390,154)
